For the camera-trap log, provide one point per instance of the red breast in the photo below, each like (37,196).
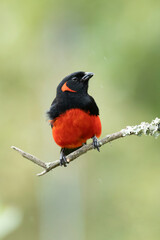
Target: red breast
(72,128)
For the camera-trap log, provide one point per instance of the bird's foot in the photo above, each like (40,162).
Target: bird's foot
(96,144)
(63,159)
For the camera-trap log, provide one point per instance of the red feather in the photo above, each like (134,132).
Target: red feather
(72,128)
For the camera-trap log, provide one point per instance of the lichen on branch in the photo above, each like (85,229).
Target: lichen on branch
(152,129)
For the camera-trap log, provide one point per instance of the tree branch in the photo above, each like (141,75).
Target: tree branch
(152,129)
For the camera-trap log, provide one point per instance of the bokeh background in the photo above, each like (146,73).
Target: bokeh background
(114,194)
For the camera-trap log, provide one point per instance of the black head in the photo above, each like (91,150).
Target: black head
(72,93)
(76,82)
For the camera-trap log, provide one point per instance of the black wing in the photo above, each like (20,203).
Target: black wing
(53,111)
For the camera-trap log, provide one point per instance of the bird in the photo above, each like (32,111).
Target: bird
(74,115)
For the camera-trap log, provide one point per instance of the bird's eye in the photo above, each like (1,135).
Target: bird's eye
(74,78)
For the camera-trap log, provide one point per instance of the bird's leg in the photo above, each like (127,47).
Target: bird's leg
(63,160)
(96,143)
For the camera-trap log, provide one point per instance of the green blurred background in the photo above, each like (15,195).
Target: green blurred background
(114,194)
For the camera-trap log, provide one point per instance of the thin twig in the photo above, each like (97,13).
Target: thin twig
(145,128)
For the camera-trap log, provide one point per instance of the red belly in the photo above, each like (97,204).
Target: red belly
(74,127)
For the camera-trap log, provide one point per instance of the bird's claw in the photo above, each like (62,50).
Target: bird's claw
(63,159)
(96,144)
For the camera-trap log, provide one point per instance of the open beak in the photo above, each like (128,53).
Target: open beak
(87,76)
